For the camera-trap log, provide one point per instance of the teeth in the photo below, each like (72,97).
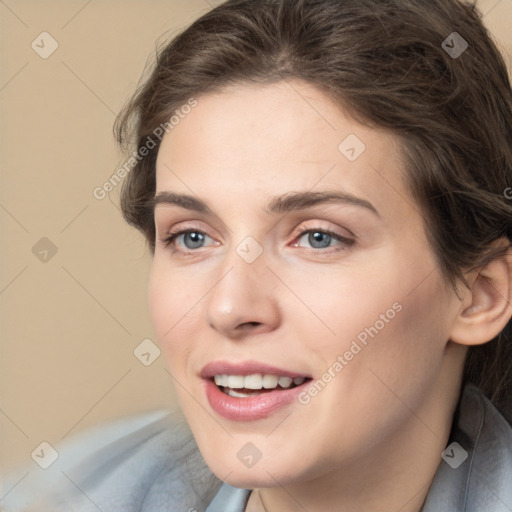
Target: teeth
(285,382)
(256,381)
(236,394)
(235,381)
(253,381)
(270,381)
(221,380)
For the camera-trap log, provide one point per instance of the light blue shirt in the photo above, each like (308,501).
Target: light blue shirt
(150,463)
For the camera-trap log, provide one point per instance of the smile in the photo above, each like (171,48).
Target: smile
(250,390)
(240,386)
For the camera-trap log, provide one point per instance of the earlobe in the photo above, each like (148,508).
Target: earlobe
(487,306)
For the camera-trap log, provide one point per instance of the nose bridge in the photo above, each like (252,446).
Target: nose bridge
(243,268)
(243,292)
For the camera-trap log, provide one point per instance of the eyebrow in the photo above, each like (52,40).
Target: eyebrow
(280,204)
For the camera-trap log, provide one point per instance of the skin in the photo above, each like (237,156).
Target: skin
(372,438)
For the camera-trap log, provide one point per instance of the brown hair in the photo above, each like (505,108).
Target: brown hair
(389,63)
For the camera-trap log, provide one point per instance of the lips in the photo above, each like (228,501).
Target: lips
(277,388)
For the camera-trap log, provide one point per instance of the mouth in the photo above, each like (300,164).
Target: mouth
(240,386)
(251,390)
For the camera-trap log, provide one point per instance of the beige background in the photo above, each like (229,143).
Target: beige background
(69,325)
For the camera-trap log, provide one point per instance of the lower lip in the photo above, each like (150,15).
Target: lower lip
(250,408)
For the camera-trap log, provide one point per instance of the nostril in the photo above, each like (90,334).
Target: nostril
(250,324)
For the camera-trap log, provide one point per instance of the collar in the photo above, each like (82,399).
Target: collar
(483,480)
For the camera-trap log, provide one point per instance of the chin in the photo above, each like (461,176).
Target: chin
(248,479)
(264,473)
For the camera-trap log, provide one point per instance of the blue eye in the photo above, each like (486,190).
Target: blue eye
(321,238)
(314,237)
(196,238)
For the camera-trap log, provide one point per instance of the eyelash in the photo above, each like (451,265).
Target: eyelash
(170,239)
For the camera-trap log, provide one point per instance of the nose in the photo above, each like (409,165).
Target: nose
(243,300)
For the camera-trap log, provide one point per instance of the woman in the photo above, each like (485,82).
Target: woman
(323,186)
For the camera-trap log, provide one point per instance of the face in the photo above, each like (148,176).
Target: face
(262,280)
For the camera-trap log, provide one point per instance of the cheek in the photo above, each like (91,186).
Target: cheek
(391,341)
(345,306)
(389,320)
(171,305)
(403,350)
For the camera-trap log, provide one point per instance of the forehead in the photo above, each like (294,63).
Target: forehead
(269,139)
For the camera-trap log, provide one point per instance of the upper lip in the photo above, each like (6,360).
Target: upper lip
(246,368)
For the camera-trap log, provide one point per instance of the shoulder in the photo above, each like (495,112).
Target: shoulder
(476,468)
(145,462)
(491,468)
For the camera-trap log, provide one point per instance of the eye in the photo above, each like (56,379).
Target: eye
(193,239)
(321,238)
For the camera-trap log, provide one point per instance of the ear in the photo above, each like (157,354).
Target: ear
(487,306)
